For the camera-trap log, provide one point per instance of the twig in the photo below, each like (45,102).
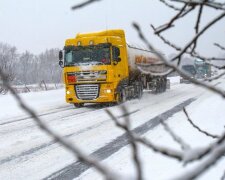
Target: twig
(221,47)
(212,4)
(126,127)
(73,149)
(213,157)
(216,77)
(170,24)
(196,127)
(159,149)
(197,25)
(193,54)
(170,5)
(223,177)
(169,64)
(175,137)
(162,150)
(199,34)
(84,4)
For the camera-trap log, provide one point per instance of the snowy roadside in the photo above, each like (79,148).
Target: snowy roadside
(93,130)
(39,101)
(207,112)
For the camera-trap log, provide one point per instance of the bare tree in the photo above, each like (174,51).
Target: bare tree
(8,57)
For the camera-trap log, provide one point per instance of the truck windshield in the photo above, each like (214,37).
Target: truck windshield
(87,56)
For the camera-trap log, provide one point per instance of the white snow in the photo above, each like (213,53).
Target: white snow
(91,128)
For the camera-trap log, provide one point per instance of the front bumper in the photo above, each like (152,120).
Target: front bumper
(106,93)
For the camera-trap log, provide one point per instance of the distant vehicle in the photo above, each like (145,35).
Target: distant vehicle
(101,67)
(203,70)
(190,70)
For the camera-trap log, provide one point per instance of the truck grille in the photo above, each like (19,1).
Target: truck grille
(87,91)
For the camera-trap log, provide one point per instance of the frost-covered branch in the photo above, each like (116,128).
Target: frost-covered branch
(215,77)
(72,148)
(126,127)
(213,157)
(223,177)
(175,137)
(191,53)
(177,69)
(172,153)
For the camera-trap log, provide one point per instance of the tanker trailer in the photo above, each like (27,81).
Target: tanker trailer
(147,64)
(100,67)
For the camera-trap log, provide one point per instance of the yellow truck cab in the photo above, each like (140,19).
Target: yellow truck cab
(100,67)
(94,65)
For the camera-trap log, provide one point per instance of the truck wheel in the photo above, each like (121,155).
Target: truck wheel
(122,96)
(78,105)
(140,92)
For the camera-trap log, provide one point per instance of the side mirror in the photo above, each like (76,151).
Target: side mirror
(61,58)
(60,55)
(61,64)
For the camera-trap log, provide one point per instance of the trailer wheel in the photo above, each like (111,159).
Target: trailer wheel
(78,105)
(157,89)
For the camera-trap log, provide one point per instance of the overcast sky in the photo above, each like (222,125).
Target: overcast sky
(35,25)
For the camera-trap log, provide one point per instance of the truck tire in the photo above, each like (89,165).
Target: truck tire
(122,96)
(78,105)
(140,91)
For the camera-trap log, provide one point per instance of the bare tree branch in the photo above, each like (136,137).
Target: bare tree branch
(159,149)
(221,47)
(169,64)
(162,150)
(126,127)
(215,77)
(212,4)
(199,34)
(193,54)
(196,127)
(213,157)
(170,5)
(223,177)
(170,24)
(197,25)
(73,149)
(175,137)
(84,4)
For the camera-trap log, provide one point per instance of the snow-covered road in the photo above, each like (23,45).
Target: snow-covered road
(28,153)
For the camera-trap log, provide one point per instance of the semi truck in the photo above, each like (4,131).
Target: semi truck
(101,67)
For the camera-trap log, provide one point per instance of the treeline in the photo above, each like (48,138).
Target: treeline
(27,68)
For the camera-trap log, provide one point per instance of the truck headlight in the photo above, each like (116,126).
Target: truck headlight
(108,91)
(68,92)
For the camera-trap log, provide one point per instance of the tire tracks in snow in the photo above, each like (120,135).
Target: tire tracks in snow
(55,111)
(77,168)
(26,154)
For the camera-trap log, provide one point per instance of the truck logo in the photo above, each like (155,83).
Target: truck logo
(145,60)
